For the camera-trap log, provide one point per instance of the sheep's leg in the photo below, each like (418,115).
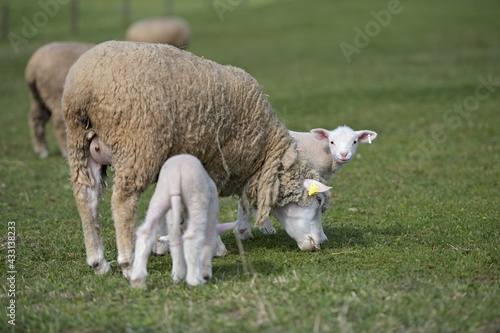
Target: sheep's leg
(124,207)
(193,240)
(179,269)
(60,131)
(267,228)
(243,222)
(39,115)
(220,248)
(87,200)
(146,238)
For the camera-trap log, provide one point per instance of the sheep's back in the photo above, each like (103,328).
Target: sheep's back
(151,101)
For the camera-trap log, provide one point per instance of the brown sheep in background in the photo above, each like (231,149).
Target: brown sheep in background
(45,75)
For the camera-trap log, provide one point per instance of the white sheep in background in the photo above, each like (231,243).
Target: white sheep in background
(328,151)
(170,30)
(189,197)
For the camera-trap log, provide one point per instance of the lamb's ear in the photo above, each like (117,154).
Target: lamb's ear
(366,136)
(315,187)
(223,227)
(320,134)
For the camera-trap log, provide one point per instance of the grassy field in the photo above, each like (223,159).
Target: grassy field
(414,228)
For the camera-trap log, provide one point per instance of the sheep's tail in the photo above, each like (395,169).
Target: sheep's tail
(79,136)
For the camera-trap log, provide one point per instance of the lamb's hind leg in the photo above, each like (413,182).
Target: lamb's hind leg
(193,241)
(87,199)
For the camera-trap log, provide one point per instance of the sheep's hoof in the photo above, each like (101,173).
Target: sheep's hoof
(43,154)
(139,283)
(245,234)
(195,282)
(267,230)
(102,268)
(126,269)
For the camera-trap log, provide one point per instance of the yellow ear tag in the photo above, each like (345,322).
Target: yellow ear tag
(313,189)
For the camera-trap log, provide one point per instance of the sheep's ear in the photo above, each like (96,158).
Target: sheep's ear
(223,227)
(366,136)
(315,187)
(320,134)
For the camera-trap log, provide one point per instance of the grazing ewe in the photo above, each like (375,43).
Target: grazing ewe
(148,102)
(170,30)
(328,155)
(187,193)
(45,74)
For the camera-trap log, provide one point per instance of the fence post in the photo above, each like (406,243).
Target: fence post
(170,7)
(74,17)
(126,12)
(5,19)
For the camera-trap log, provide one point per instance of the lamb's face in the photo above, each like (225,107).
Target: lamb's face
(303,223)
(343,143)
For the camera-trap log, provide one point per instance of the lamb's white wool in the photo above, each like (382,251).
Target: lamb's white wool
(189,197)
(327,151)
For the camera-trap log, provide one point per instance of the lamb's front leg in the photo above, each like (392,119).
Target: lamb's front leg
(161,247)
(146,237)
(179,269)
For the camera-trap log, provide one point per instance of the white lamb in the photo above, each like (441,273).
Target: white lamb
(190,197)
(328,151)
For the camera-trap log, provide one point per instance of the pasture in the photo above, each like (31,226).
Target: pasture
(414,227)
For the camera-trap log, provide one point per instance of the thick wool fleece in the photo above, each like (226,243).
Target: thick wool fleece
(45,75)
(152,101)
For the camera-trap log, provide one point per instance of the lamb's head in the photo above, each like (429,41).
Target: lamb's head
(343,141)
(303,222)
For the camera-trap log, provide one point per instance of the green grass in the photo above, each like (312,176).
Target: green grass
(414,229)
